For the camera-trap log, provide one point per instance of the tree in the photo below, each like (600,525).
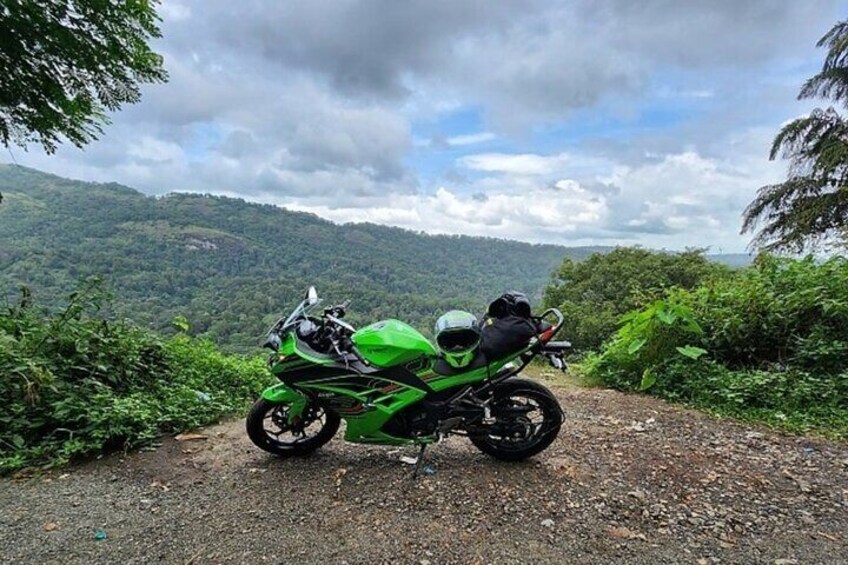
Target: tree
(810,208)
(65,63)
(593,294)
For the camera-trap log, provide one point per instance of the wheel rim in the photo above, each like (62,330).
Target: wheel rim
(279,431)
(521,422)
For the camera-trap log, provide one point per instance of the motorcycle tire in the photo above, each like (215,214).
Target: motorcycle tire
(543,400)
(262,410)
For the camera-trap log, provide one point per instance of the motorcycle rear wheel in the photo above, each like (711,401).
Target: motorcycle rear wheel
(268,428)
(527,420)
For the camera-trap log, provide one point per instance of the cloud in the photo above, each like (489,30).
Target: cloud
(573,122)
(471,138)
(525,60)
(523,164)
(362,48)
(173,11)
(678,201)
(155,151)
(533,215)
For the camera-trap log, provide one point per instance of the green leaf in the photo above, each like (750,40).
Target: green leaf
(667,317)
(691,351)
(648,380)
(628,316)
(635,346)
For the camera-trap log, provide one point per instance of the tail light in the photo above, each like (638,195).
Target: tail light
(546,335)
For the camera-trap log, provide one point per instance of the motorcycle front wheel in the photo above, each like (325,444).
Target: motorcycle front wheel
(269,428)
(527,419)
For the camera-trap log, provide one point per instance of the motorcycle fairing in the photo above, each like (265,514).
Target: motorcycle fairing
(365,396)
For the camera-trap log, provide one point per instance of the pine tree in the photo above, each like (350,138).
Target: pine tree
(810,208)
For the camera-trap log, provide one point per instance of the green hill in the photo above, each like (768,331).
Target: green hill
(230,266)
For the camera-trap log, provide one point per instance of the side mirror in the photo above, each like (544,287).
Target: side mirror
(273,342)
(311,295)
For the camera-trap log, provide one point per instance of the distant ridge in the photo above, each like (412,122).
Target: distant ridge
(230,266)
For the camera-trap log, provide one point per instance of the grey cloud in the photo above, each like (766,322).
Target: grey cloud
(654,226)
(439,142)
(290,130)
(311,100)
(601,188)
(720,32)
(238,144)
(103,155)
(527,60)
(362,139)
(194,93)
(362,47)
(287,74)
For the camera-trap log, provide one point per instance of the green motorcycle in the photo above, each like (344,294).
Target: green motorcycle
(393,387)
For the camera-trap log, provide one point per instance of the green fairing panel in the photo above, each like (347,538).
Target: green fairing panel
(391,342)
(282,394)
(367,427)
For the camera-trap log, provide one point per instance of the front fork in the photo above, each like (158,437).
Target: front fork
(282,394)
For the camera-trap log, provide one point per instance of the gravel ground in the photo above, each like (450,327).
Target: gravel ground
(629,480)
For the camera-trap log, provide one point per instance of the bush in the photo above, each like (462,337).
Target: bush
(769,343)
(779,312)
(649,339)
(77,383)
(594,293)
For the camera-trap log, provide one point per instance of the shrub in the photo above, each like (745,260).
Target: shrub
(77,383)
(769,343)
(779,312)
(649,338)
(594,293)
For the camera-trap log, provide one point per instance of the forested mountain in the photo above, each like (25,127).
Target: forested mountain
(230,266)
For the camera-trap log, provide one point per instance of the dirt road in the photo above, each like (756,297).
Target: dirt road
(630,479)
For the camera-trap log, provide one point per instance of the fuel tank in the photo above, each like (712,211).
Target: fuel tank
(391,342)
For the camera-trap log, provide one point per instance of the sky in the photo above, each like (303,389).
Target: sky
(577,122)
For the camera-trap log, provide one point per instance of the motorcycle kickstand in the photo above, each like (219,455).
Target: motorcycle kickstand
(419,464)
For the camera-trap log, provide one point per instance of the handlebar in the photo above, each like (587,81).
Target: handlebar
(556,347)
(337,311)
(340,323)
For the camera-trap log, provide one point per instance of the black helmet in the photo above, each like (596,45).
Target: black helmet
(512,303)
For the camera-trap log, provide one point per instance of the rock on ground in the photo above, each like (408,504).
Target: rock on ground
(629,480)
